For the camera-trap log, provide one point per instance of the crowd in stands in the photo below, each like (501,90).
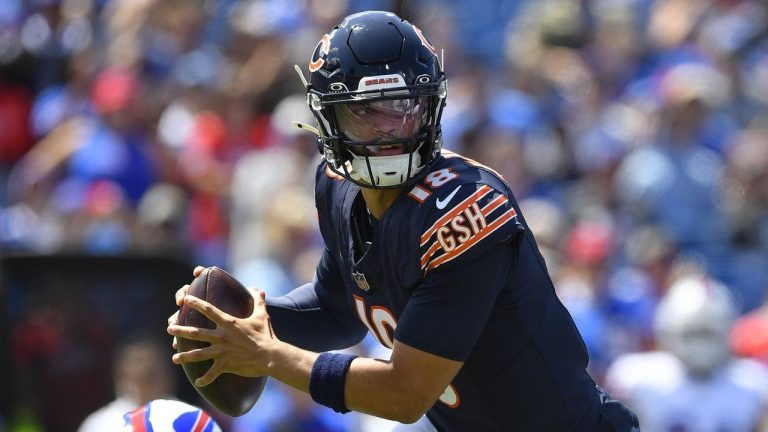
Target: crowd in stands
(634,134)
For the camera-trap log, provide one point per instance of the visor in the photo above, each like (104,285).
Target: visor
(382,120)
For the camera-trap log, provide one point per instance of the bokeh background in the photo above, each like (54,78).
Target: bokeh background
(139,138)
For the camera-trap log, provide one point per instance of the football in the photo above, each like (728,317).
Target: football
(232,394)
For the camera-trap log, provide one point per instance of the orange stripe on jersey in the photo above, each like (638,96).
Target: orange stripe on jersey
(454,212)
(425,258)
(493,205)
(485,232)
(488,209)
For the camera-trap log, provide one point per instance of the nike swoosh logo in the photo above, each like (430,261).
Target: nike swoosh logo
(444,202)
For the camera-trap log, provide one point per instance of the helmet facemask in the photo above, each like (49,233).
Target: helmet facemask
(382,138)
(377,90)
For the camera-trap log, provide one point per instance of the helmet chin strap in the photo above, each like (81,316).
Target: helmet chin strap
(357,167)
(380,165)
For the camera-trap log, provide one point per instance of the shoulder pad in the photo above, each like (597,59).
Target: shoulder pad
(462,220)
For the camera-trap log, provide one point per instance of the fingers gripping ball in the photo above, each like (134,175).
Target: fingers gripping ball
(232,394)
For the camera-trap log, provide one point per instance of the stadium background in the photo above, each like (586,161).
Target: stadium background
(141,137)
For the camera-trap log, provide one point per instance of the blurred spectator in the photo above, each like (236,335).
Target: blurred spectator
(15,106)
(749,336)
(675,180)
(15,135)
(633,132)
(634,287)
(160,218)
(744,202)
(579,283)
(141,372)
(692,382)
(272,215)
(55,346)
(548,223)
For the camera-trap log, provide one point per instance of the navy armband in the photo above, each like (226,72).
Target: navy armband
(327,379)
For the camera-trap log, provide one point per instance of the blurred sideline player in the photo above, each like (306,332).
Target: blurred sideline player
(692,383)
(141,373)
(163,415)
(426,250)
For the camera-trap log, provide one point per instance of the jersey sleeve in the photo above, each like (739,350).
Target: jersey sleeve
(463,223)
(314,316)
(447,312)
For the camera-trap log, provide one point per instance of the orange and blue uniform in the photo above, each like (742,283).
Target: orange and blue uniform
(451,269)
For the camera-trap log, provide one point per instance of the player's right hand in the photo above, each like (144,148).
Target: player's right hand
(173,319)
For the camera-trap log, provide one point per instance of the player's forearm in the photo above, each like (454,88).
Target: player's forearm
(371,387)
(374,387)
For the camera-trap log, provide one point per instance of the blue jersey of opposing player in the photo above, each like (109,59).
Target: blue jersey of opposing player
(450,269)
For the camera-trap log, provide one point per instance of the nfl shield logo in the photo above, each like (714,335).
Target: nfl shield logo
(360,280)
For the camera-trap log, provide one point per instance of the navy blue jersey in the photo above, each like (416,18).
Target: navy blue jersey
(450,269)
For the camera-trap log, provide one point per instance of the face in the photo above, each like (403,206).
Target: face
(382,121)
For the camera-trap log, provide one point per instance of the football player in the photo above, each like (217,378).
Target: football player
(425,249)
(693,382)
(139,375)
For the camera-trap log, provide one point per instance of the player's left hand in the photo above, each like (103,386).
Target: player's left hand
(173,319)
(237,345)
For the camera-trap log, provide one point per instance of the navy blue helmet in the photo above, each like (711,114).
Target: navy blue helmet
(377,90)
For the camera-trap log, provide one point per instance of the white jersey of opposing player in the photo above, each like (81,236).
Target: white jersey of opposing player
(666,399)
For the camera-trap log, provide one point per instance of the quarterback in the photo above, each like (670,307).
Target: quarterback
(426,250)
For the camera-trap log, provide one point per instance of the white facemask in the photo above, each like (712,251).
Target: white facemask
(386,170)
